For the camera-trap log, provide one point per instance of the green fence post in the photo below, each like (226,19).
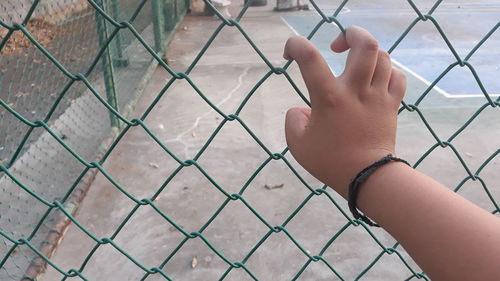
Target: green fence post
(170,12)
(176,13)
(186,6)
(107,63)
(119,59)
(158,24)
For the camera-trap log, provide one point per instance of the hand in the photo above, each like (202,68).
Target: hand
(352,119)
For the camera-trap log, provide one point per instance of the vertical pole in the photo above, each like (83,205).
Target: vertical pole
(176,14)
(107,64)
(118,60)
(170,13)
(158,24)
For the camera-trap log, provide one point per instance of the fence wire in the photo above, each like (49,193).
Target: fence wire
(60,64)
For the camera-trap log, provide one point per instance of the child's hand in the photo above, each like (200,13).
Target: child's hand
(352,119)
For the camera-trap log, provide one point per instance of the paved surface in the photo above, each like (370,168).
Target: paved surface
(184,122)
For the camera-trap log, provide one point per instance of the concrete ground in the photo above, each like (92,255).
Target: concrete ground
(184,122)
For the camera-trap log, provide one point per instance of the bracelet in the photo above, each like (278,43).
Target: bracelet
(359,179)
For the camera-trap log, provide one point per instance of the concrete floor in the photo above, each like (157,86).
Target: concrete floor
(184,122)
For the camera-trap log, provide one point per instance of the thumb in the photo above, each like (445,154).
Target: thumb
(296,121)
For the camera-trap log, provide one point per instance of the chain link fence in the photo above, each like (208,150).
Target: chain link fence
(55,56)
(71,72)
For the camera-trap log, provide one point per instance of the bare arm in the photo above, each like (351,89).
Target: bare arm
(350,125)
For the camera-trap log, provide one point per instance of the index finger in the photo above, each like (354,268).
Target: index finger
(362,57)
(315,71)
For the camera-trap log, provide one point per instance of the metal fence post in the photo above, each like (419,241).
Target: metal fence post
(171,14)
(107,64)
(119,59)
(186,6)
(158,24)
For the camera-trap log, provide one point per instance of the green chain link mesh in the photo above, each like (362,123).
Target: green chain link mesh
(57,47)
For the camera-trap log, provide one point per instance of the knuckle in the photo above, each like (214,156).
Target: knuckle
(384,55)
(403,77)
(302,49)
(309,53)
(290,42)
(291,112)
(362,38)
(400,75)
(370,44)
(400,83)
(330,100)
(293,39)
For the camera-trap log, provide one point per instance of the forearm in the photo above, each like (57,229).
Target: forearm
(442,231)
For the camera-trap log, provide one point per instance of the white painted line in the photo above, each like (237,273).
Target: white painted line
(422,79)
(289,26)
(438,89)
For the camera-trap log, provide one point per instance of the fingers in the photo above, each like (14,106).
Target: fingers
(366,67)
(296,121)
(313,67)
(382,73)
(362,58)
(397,84)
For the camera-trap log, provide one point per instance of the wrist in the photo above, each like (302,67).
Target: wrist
(352,163)
(356,185)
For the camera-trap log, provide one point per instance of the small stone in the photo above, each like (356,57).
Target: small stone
(194,262)
(154,165)
(273,186)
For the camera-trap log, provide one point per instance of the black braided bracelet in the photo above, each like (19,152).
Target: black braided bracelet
(359,179)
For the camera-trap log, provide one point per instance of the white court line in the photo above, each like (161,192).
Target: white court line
(425,81)
(411,72)
(438,89)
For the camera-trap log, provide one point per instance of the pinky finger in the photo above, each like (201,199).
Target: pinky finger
(397,84)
